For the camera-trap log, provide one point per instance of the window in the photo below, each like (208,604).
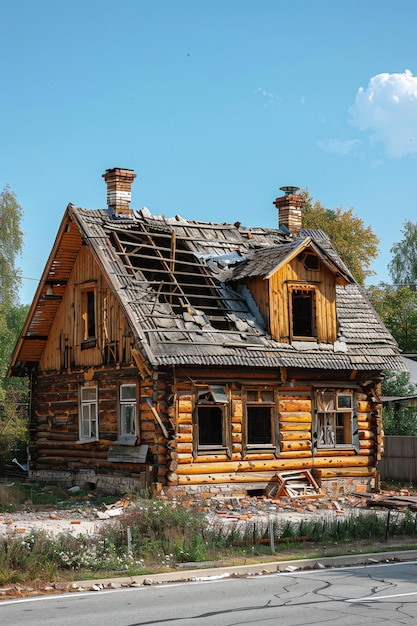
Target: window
(88,314)
(303,313)
(88,414)
(210,415)
(311,262)
(336,420)
(128,409)
(260,417)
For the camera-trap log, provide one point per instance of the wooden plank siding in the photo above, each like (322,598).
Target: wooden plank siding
(67,330)
(273,298)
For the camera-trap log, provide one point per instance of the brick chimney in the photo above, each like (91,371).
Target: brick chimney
(119,182)
(289,209)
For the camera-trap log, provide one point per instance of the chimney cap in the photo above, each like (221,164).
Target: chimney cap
(289,191)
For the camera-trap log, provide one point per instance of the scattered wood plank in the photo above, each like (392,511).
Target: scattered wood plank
(293,484)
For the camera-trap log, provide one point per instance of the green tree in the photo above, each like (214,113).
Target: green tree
(398,419)
(13,393)
(397,308)
(11,243)
(356,243)
(403,266)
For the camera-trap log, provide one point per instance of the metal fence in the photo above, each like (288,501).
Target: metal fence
(399,462)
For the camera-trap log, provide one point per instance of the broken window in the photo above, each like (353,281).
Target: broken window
(336,420)
(260,417)
(303,313)
(128,409)
(88,314)
(210,416)
(88,422)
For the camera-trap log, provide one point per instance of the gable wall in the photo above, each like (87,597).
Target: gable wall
(295,272)
(67,330)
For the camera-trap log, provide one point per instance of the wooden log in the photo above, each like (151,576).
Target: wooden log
(292,426)
(291,435)
(184,438)
(366,434)
(299,454)
(185,458)
(360,472)
(186,448)
(276,464)
(184,418)
(185,406)
(300,417)
(294,404)
(287,446)
(185,428)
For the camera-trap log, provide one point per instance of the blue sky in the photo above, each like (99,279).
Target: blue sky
(215,105)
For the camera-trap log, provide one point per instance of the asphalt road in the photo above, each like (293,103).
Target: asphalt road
(373,594)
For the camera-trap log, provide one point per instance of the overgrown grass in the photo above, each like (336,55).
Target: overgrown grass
(153,536)
(32,496)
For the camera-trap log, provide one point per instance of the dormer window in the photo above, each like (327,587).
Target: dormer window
(303,313)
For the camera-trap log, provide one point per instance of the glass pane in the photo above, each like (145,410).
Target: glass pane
(252,395)
(326,434)
(344,401)
(85,421)
(267,395)
(88,393)
(218,393)
(128,419)
(128,392)
(325,401)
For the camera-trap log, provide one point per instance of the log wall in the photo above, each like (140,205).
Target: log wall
(258,466)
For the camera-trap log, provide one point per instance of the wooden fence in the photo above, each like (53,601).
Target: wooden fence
(399,461)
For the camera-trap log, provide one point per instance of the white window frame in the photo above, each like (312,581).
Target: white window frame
(124,405)
(88,414)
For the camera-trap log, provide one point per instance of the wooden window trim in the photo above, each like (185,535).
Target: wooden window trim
(224,406)
(328,440)
(273,446)
(309,288)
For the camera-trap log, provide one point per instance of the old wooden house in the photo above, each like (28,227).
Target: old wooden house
(199,356)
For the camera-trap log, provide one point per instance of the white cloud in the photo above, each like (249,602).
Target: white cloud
(337,146)
(387,108)
(269,97)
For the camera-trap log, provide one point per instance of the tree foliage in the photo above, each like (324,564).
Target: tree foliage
(399,419)
(11,243)
(356,243)
(13,392)
(403,265)
(397,308)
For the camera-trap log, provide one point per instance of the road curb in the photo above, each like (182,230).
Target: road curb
(272,567)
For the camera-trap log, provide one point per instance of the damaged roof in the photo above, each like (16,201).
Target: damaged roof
(180,284)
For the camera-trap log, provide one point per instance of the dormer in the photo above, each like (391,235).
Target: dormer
(294,283)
